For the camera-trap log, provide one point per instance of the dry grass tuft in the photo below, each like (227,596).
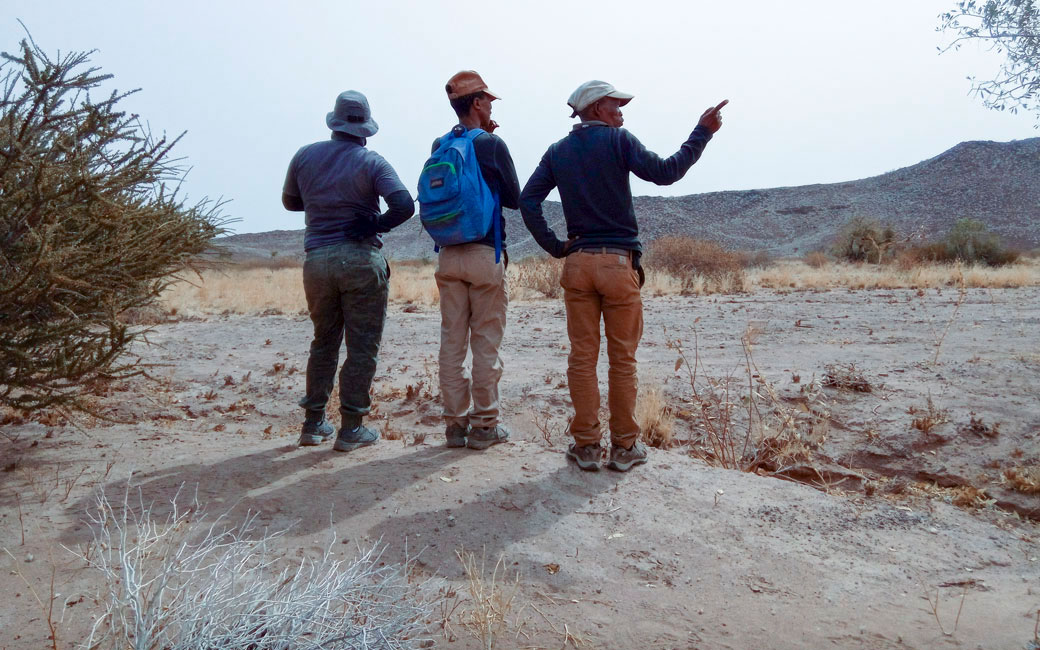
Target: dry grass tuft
(541,275)
(931,416)
(655,417)
(817,259)
(491,598)
(1024,479)
(968,496)
(978,427)
(845,377)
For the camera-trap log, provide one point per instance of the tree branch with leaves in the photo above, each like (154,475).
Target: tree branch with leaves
(1010,28)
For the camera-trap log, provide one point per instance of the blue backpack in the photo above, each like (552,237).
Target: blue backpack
(456,206)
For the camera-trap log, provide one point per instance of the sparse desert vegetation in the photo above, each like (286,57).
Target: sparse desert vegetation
(257,289)
(773,383)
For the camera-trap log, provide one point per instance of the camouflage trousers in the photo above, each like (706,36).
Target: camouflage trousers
(347,285)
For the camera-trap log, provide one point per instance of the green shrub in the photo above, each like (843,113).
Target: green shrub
(89,230)
(970,241)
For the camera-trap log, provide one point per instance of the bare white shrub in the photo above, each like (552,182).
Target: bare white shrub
(186,582)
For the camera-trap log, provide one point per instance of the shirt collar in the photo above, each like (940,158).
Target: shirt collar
(346,137)
(584,125)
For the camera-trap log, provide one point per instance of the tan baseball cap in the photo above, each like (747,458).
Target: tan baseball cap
(467,82)
(591,92)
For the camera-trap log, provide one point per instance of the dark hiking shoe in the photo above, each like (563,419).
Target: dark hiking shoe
(351,439)
(315,433)
(484,437)
(622,459)
(455,435)
(587,457)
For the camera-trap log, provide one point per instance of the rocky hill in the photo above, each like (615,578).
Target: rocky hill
(997,183)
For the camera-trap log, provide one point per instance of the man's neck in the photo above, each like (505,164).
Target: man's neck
(470,122)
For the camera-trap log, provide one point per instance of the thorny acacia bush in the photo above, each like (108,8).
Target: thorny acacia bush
(89,228)
(184,580)
(686,258)
(862,239)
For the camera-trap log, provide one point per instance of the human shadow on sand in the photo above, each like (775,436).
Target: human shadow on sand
(347,485)
(495,519)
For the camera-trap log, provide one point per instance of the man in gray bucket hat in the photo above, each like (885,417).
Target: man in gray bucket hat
(337,184)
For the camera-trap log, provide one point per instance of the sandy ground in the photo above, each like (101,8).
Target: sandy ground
(656,558)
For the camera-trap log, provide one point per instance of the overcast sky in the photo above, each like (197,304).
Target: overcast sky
(820,90)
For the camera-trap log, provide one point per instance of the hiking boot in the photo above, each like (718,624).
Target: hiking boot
(455,435)
(315,432)
(622,459)
(351,439)
(587,457)
(484,437)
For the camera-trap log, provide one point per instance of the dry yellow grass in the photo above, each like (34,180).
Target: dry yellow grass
(799,275)
(258,290)
(250,291)
(1024,479)
(413,283)
(255,291)
(655,417)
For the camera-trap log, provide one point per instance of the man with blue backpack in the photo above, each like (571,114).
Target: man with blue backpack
(462,189)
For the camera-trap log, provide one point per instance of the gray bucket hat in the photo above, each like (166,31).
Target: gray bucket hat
(351,115)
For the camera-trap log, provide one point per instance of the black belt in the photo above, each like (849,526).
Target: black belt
(598,250)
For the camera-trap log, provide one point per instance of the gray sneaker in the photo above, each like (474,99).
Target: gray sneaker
(587,457)
(484,437)
(455,435)
(315,433)
(622,459)
(351,439)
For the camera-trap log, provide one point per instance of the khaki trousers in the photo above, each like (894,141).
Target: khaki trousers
(602,285)
(474,297)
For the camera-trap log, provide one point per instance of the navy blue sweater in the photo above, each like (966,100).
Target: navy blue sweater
(591,168)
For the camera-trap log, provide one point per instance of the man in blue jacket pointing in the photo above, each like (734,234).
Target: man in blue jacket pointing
(602,276)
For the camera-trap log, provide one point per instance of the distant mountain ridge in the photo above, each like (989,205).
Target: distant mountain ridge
(997,183)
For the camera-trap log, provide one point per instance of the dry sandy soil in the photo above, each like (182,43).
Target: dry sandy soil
(675,554)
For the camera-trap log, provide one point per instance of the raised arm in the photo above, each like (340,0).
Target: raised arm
(648,166)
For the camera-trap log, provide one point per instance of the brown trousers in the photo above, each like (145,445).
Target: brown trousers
(595,285)
(474,297)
